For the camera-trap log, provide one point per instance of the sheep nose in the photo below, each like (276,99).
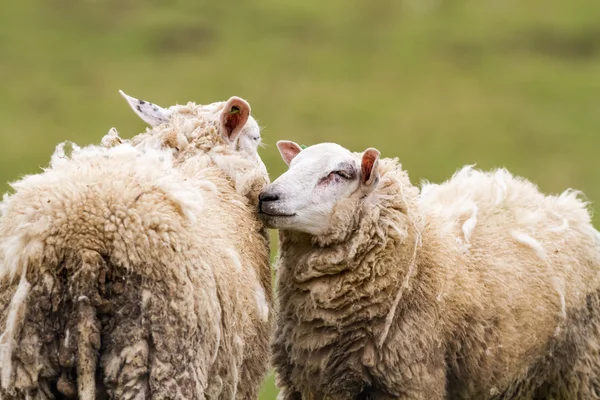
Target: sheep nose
(268,196)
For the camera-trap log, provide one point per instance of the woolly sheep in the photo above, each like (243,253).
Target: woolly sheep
(477,288)
(139,269)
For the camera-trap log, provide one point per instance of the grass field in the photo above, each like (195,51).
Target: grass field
(437,83)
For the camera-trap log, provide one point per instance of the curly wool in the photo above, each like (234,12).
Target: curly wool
(193,130)
(502,299)
(144,272)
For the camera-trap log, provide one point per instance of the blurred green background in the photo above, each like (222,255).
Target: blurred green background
(437,83)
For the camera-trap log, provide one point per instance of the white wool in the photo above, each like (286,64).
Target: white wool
(470,223)
(17,251)
(59,157)
(91,156)
(4,203)
(465,172)
(559,287)
(208,186)
(465,184)
(401,233)
(454,201)
(468,196)
(500,178)
(261,303)
(235,259)
(10,249)
(189,200)
(426,188)
(238,203)
(556,282)
(568,196)
(17,248)
(527,240)
(16,315)
(235,374)
(244,173)
(562,227)
(124,151)
(527,218)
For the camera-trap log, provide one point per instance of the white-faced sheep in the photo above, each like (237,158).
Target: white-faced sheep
(478,288)
(139,269)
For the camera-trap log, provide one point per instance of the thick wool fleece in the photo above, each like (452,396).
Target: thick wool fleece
(136,272)
(479,288)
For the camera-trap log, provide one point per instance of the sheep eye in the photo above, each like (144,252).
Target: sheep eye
(329,177)
(342,174)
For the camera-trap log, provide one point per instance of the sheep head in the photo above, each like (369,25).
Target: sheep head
(224,132)
(323,187)
(223,123)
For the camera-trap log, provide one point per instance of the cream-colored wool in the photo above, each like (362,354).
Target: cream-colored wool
(138,269)
(500,301)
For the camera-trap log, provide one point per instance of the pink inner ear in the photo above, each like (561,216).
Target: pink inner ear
(289,154)
(368,161)
(367,167)
(288,151)
(234,117)
(233,122)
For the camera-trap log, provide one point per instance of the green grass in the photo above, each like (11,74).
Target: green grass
(437,83)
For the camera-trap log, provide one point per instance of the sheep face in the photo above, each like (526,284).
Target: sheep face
(324,183)
(232,120)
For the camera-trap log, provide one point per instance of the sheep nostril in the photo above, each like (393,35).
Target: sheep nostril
(266,197)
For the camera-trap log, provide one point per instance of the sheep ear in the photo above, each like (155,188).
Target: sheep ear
(288,150)
(150,113)
(369,175)
(233,117)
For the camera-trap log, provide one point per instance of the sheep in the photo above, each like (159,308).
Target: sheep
(478,288)
(139,268)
